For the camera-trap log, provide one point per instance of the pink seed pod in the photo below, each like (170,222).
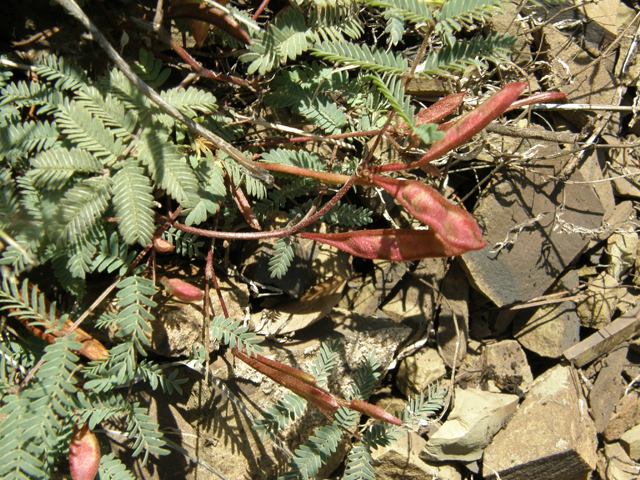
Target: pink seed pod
(84,454)
(465,127)
(162,245)
(537,98)
(182,290)
(453,225)
(374,412)
(393,245)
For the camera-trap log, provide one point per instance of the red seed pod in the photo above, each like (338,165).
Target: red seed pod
(465,127)
(537,98)
(433,114)
(182,290)
(374,412)
(393,245)
(162,245)
(453,225)
(84,454)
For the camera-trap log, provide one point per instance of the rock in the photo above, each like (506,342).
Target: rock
(572,71)
(376,287)
(476,417)
(625,416)
(608,388)
(299,313)
(631,443)
(517,209)
(506,364)
(401,460)
(179,326)
(550,331)
(551,436)
(605,340)
(420,370)
(413,302)
(616,464)
(596,310)
(592,172)
(455,292)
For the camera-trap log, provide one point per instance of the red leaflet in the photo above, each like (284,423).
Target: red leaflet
(182,290)
(393,245)
(466,127)
(452,224)
(84,454)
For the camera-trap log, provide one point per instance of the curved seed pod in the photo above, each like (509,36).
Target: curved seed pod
(162,245)
(182,290)
(454,225)
(466,127)
(393,245)
(537,98)
(433,114)
(374,412)
(84,454)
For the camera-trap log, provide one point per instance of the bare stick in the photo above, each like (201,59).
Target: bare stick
(252,169)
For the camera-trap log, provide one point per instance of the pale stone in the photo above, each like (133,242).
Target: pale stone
(608,388)
(551,436)
(631,443)
(551,330)
(419,371)
(615,464)
(400,460)
(625,416)
(476,417)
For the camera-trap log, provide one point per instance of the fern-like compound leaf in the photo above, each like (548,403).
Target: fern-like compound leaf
(359,463)
(133,201)
(21,139)
(325,361)
(349,215)
(280,415)
(167,167)
(109,110)
(111,468)
(310,457)
(283,253)
(88,132)
(232,335)
(463,54)
(66,75)
(191,101)
(414,11)
(52,169)
(296,158)
(82,207)
(449,17)
(149,69)
(148,438)
(133,318)
(362,56)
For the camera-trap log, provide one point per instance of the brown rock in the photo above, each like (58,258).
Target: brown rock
(551,436)
(615,464)
(605,340)
(551,330)
(376,287)
(506,364)
(542,250)
(625,416)
(630,440)
(420,370)
(608,388)
(455,292)
(400,460)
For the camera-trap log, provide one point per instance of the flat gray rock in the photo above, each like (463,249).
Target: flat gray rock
(551,330)
(548,239)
